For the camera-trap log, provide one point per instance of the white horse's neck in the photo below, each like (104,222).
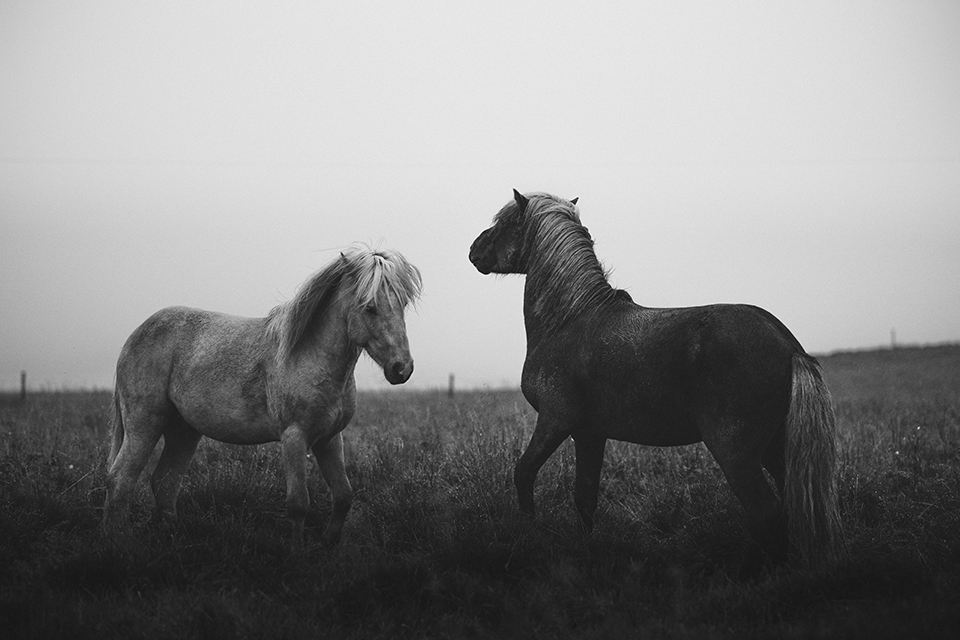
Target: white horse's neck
(327,354)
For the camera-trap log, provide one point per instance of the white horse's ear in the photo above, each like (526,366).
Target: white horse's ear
(574,201)
(521,200)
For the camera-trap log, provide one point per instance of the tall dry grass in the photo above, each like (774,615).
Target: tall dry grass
(435,547)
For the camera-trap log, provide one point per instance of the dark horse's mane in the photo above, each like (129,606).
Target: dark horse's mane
(563,271)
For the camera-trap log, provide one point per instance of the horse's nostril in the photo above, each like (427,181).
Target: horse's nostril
(400,372)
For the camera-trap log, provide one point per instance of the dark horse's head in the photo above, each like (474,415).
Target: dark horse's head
(500,249)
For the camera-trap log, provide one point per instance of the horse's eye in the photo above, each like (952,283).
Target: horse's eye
(371,309)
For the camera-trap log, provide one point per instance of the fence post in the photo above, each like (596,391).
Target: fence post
(23,386)
(450,391)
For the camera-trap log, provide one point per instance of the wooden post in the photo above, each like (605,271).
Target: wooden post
(893,338)
(23,386)
(450,391)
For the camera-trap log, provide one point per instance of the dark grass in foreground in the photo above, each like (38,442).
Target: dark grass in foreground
(434,546)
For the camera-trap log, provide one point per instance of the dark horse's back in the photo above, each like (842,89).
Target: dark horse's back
(731,376)
(655,376)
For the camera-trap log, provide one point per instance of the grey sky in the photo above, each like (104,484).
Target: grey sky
(801,156)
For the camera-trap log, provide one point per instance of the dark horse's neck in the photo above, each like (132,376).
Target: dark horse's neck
(565,281)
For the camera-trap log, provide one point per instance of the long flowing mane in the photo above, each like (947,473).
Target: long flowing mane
(563,271)
(731,376)
(365,275)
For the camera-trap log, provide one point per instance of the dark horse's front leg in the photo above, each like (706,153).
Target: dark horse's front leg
(547,436)
(589,461)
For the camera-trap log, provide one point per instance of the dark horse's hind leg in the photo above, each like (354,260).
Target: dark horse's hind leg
(765,521)
(179,444)
(589,462)
(773,460)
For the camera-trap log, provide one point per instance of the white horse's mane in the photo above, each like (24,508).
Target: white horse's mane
(368,276)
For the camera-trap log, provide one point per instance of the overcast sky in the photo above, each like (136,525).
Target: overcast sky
(802,156)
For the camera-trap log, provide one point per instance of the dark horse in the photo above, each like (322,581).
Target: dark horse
(599,366)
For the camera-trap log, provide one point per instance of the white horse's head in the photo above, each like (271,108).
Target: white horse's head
(379,286)
(372,289)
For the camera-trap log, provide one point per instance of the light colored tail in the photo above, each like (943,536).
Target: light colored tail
(116,435)
(810,484)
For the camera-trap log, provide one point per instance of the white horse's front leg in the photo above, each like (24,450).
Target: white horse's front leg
(329,457)
(293,445)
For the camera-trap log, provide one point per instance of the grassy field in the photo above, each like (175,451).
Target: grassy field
(434,546)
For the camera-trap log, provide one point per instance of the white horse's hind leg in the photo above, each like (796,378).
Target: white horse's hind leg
(293,448)
(329,457)
(179,444)
(142,432)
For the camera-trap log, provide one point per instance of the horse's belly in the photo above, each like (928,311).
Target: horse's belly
(224,417)
(640,427)
(239,434)
(233,429)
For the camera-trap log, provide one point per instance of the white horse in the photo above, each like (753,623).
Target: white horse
(288,377)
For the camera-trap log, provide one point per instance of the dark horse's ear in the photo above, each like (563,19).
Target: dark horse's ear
(574,201)
(521,201)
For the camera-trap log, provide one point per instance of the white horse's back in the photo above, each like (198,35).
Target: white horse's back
(210,368)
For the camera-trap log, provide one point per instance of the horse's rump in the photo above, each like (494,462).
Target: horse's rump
(691,351)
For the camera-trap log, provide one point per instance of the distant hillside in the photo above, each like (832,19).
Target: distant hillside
(893,373)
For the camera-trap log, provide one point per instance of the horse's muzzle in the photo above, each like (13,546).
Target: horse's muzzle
(398,372)
(478,261)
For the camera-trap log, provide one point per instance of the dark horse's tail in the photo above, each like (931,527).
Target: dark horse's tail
(116,433)
(810,484)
